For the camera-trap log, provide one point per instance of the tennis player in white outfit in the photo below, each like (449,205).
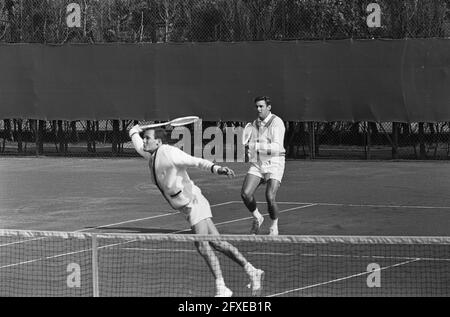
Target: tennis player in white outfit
(168,166)
(267,157)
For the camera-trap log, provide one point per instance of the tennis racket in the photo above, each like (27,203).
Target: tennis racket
(174,123)
(247,133)
(183,121)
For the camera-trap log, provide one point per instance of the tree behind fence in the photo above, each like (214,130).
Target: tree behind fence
(44,21)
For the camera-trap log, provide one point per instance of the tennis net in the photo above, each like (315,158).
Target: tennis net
(48,263)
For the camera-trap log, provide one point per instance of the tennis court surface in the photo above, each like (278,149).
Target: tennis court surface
(85,227)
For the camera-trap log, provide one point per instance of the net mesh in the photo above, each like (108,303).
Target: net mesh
(42,263)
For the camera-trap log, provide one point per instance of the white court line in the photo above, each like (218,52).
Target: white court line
(146,218)
(19,242)
(303,254)
(113,224)
(20,263)
(235,201)
(160,250)
(217,224)
(63,254)
(355,256)
(340,279)
(246,218)
(353,205)
(98,227)
(386,206)
(25,262)
(103,226)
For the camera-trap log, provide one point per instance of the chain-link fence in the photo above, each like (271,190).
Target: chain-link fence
(48,21)
(372,140)
(136,21)
(303,140)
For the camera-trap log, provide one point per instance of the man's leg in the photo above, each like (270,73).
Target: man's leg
(256,275)
(251,183)
(205,250)
(272,206)
(225,247)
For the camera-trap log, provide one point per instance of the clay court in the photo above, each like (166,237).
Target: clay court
(320,199)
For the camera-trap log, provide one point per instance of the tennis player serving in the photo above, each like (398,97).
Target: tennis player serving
(168,167)
(266,154)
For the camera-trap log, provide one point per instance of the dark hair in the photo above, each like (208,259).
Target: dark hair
(160,133)
(265,98)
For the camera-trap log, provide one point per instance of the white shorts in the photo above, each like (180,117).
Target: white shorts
(197,210)
(270,169)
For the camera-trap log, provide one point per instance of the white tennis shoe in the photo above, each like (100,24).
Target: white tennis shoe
(256,225)
(223,291)
(256,282)
(273,231)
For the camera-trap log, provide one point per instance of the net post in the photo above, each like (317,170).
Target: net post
(95,266)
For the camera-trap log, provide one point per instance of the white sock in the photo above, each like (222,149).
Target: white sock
(249,268)
(274,223)
(220,283)
(256,214)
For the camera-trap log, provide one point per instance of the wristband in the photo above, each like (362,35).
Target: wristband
(212,168)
